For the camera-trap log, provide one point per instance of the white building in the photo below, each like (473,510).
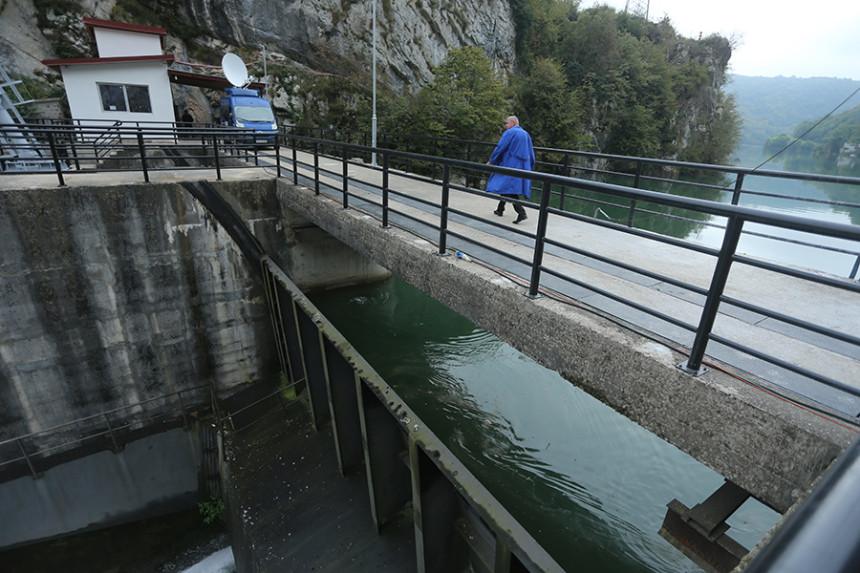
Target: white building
(127,82)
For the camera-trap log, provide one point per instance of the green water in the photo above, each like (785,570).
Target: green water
(589,484)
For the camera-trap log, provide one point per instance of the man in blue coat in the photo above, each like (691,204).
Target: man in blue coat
(513,150)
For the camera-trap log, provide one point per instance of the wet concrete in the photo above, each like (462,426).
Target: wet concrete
(289,509)
(166,544)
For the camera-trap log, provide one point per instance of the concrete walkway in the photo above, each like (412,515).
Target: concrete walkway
(833,308)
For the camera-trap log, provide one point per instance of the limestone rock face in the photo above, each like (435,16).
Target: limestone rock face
(412,36)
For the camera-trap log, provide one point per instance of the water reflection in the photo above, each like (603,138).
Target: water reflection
(812,199)
(590,485)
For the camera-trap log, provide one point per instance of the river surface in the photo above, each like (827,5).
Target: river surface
(588,483)
(828,202)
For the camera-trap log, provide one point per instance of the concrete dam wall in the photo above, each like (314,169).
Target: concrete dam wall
(117,297)
(123,311)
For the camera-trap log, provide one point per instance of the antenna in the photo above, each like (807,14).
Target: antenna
(234,70)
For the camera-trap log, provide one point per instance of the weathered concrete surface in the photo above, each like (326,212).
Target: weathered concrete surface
(311,257)
(289,508)
(766,446)
(151,476)
(115,295)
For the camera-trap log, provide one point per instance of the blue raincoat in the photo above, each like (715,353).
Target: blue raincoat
(513,150)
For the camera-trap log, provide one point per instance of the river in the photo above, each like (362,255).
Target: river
(814,200)
(588,483)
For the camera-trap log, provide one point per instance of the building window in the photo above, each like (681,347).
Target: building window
(119,97)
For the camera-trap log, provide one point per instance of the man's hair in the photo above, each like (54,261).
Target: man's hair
(513,119)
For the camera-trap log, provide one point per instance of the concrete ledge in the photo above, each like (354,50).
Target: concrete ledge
(770,448)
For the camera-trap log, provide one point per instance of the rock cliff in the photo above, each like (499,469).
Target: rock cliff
(412,36)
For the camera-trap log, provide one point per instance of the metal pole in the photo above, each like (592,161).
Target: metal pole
(715,292)
(265,72)
(373,118)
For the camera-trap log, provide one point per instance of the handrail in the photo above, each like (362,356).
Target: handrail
(725,256)
(214,143)
(92,419)
(93,148)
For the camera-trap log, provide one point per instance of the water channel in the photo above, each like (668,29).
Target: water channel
(589,484)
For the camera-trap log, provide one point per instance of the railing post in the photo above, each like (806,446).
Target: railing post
(443,218)
(185,423)
(278,153)
(739,184)
(116,448)
(345,177)
(27,459)
(73,149)
(540,235)
(215,153)
(56,159)
(715,292)
(638,175)
(566,171)
(385,160)
(631,213)
(316,168)
(295,164)
(142,149)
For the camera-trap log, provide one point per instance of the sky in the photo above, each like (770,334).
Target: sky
(771,37)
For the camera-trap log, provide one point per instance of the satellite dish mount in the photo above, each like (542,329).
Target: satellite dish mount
(235,70)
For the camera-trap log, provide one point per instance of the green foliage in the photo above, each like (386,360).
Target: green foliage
(43,86)
(586,79)
(778,105)
(548,108)
(211,510)
(465,100)
(825,146)
(44,8)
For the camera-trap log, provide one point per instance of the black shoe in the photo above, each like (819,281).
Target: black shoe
(499,212)
(520,218)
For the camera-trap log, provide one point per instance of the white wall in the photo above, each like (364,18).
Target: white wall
(85,102)
(114,43)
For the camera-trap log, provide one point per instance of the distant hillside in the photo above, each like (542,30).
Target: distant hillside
(770,106)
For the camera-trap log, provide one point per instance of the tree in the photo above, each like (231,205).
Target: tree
(547,108)
(465,99)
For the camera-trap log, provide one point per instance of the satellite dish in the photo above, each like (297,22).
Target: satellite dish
(234,70)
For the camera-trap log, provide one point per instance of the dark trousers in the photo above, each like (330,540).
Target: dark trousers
(517,207)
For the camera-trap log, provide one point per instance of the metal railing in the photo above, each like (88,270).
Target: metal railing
(92,147)
(726,184)
(110,428)
(543,242)
(69,148)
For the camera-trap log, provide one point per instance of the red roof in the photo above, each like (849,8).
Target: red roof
(203,81)
(91,23)
(117,59)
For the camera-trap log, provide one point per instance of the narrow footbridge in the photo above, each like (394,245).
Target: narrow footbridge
(749,365)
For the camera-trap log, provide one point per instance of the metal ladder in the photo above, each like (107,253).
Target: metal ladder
(19,151)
